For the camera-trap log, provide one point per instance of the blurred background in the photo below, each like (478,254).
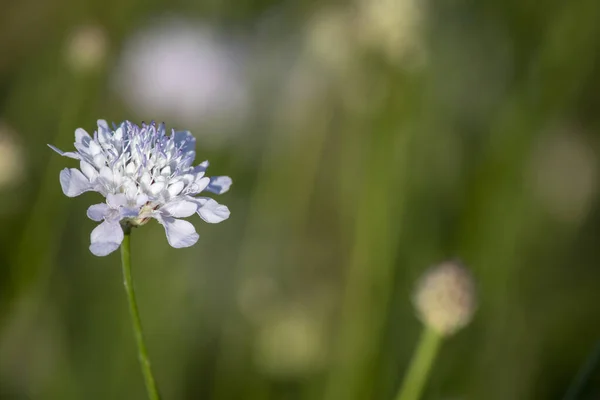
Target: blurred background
(367,140)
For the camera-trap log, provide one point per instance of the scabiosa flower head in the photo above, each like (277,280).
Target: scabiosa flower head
(445,297)
(143,173)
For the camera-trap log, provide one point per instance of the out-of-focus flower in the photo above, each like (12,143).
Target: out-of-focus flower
(563,175)
(143,173)
(337,36)
(11,158)
(391,26)
(291,343)
(445,298)
(181,70)
(330,38)
(86,48)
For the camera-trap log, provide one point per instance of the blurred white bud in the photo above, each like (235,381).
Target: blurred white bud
(291,343)
(184,71)
(86,48)
(330,38)
(563,175)
(12,164)
(445,298)
(391,27)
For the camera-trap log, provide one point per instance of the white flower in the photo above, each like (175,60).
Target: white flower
(143,173)
(183,70)
(86,48)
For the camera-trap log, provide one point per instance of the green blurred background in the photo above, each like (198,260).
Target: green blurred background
(367,140)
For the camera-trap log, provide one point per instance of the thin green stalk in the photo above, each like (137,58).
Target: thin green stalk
(420,365)
(135,318)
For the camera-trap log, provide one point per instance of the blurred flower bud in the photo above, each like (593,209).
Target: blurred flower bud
(563,174)
(291,344)
(445,298)
(86,48)
(11,157)
(392,27)
(329,39)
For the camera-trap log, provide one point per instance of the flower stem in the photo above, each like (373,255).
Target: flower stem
(420,365)
(135,318)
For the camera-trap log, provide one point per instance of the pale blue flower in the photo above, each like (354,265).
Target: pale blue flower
(143,173)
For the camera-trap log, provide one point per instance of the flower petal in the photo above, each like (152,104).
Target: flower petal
(104,132)
(157,187)
(180,208)
(180,233)
(94,148)
(211,211)
(69,154)
(201,168)
(185,140)
(106,238)
(73,182)
(88,170)
(199,184)
(219,184)
(176,188)
(141,199)
(81,136)
(97,212)
(129,212)
(116,200)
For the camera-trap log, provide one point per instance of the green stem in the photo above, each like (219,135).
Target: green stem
(135,317)
(420,365)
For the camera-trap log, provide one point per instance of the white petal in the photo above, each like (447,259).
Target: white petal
(145,181)
(116,200)
(157,187)
(198,185)
(130,168)
(69,154)
(97,212)
(95,148)
(107,176)
(100,160)
(201,167)
(130,189)
(118,134)
(141,199)
(185,140)
(129,212)
(180,208)
(106,238)
(180,233)
(81,135)
(73,182)
(102,124)
(83,148)
(166,171)
(176,188)
(211,211)
(90,172)
(219,184)
(104,134)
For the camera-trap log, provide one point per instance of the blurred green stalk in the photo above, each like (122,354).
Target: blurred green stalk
(135,318)
(376,224)
(44,225)
(420,365)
